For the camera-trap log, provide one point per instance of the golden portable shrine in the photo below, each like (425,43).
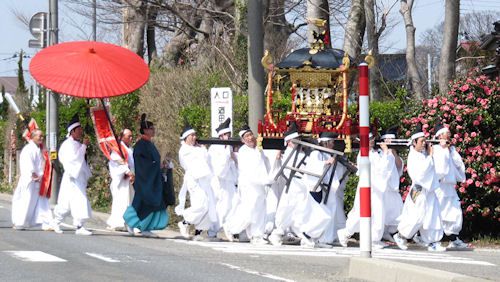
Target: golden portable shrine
(318,81)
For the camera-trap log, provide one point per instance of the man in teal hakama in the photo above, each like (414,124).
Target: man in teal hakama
(148,210)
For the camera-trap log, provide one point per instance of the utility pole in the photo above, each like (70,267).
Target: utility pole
(52,105)
(94,20)
(255,69)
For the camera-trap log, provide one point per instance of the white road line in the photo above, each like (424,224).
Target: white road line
(261,274)
(101,257)
(34,256)
(248,249)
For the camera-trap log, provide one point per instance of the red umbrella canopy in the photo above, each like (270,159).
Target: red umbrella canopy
(89,69)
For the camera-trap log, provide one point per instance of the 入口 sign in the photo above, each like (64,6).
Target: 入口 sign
(221,107)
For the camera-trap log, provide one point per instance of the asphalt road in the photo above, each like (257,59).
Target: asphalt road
(107,256)
(37,255)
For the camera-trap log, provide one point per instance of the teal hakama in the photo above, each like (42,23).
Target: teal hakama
(148,210)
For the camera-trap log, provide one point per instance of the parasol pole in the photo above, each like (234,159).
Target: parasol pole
(112,129)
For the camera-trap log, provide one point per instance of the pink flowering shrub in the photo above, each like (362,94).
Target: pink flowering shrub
(471,110)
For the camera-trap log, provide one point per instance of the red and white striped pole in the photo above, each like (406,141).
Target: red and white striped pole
(365,231)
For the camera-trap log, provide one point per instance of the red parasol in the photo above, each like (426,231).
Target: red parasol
(89,69)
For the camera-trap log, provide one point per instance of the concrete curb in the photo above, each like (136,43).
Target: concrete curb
(371,269)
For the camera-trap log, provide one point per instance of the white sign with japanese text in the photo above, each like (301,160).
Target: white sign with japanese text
(222,107)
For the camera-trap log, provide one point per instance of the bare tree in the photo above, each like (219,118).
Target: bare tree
(355,29)
(477,23)
(413,75)
(277,29)
(449,47)
(152,15)
(318,9)
(373,13)
(134,24)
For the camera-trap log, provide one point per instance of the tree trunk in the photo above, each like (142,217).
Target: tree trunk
(318,9)
(449,47)
(240,43)
(413,75)
(134,23)
(355,29)
(371,34)
(151,34)
(205,55)
(276,28)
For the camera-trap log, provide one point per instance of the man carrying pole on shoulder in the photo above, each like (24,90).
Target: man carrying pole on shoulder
(421,212)
(450,169)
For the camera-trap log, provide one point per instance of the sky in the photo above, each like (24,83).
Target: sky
(14,35)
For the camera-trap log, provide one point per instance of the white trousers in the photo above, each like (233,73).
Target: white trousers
(120,192)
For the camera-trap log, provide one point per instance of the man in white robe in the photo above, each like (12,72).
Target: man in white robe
(72,198)
(297,211)
(253,185)
(421,212)
(197,180)
(223,163)
(450,169)
(122,175)
(28,207)
(389,183)
(379,165)
(325,233)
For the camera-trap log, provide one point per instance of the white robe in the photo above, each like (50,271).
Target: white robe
(392,201)
(197,180)
(224,182)
(424,214)
(275,190)
(340,217)
(253,177)
(450,169)
(120,186)
(379,168)
(28,207)
(316,219)
(73,189)
(287,211)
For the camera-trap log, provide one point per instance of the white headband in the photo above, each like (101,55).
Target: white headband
(441,131)
(242,132)
(390,135)
(323,139)
(417,135)
(187,133)
(71,127)
(223,131)
(290,137)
